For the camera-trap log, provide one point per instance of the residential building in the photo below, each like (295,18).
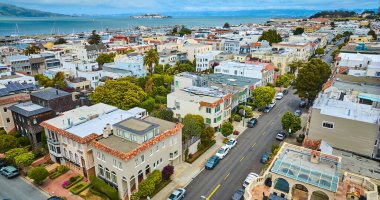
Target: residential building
(232,46)
(303,51)
(212,104)
(58,100)
(363,48)
(19,63)
(125,155)
(130,65)
(6,118)
(70,134)
(205,61)
(262,71)
(12,77)
(194,49)
(359,64)
(280,58)
(90,52)
(171,57)
(360,38)
(300,173)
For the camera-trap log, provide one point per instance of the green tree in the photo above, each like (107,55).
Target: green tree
(156,176)
(262,96)
(184,31)
(294,66)
(271,36)
(165,114)
(207,135)
(94,38)
(311,78)
(335,53)
(38,174)
(337,37)
(373,34)
(23,141)
(320,51)
(146,188)
(291,123)
(226,129)
(120,93)
(149,84)
(60,41)
(7,142)
(32,49)
(59,79)
(159,69)
(284,80)
(150,59)
(148,104)
(12,153)
(347,33)
(24,160)
(298,31)
(192,126)
(105,58)
(226,25)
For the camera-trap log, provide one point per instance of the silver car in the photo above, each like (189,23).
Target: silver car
(177,194)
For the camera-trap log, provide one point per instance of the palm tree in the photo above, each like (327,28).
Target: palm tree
(151,58)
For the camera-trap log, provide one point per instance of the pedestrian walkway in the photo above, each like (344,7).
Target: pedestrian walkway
(54,187)
(185,172)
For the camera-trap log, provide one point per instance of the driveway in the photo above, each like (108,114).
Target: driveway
(221,182)
(18,189)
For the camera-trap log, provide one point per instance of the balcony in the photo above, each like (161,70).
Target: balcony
(52,141)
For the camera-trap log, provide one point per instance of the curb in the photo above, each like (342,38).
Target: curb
(35,186)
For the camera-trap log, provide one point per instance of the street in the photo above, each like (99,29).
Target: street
(221,182)
(18,189)
(328,58)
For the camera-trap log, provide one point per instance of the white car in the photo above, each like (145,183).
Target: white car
(271,105)
(249,179)
(279,96)
(223,151)
(177,194)
(231,143)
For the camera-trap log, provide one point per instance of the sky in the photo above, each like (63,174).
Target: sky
(105,7)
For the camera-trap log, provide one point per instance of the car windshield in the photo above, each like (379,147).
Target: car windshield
(172,196)
(230,142)
(221,151)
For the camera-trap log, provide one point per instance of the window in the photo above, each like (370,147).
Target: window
(34,121)
(101,171)
(74,144)
(65,153)
(157,148)
(217,108)
(113,176)
(328,125)
(151,151)
(163,144)
(160,160)
(142,159)
(58,150)
(114,162)
(137,161)
(8,120)
(71,155)
(79,146)
(64,140)
(208,121)
(120,165)
(76,159)
(5,109)
(98,155)
(108,175)
(208,110)
(103,157)
(170,155)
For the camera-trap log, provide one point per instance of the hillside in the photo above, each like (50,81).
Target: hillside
(15,11)
(334,14)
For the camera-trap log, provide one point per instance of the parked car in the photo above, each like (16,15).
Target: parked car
(212,162)
(279,96)
(231,143)
(238,195)
(249,179)
(298,113)
(55,198)
(280,136)
(267,109)
(252,122)
(302,103)
(9,171)
(265,157)
(273,104)
(223,151)
(177,194)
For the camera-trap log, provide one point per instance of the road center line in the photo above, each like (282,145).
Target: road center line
(242,158)
(264,133)
(254,145)
(225,178)
(213,192)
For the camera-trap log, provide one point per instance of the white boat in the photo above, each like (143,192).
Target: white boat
(27,41)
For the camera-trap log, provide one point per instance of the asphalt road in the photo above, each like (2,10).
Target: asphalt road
(328,58)
(18,189)
(221,182)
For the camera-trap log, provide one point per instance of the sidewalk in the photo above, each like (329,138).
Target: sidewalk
(185,172)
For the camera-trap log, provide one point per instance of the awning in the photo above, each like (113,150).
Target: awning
(372,97)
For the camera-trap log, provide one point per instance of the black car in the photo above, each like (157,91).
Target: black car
(2,163)
(302,103)
(238,195)
(285,92)
(252,122)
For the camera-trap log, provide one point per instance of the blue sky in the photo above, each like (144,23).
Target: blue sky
(131,6)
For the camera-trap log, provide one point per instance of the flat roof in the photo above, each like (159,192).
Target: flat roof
(50,93)
(231,80)
(295,163)
(136,126)
(17,57)
(118,143)
(359,56)
(28,109)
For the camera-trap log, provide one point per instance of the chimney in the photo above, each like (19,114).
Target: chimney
(107,131)
(315,157)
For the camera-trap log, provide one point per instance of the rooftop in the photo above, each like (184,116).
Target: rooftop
(17,57)
(295,163)
(136,126)
(231,80)
(50,93)
(28,109)
(359,57)
(192,97)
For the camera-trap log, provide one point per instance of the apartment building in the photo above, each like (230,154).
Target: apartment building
(257,70)
(90,52)
(130,65)
(214,105)
(18,63)
(280,58)
(70,134)
(58,100)
(301,173)
(232,46)
(6,118)
(171,57)
(194,49)
(359,64)
(360,38)
(206,60)
(125,155)
(303,51)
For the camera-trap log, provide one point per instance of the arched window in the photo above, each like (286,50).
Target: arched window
(113,177)
(108,175)
(76,159)
(101,171)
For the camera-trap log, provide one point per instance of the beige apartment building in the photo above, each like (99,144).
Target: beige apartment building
(302,51)
(6,119)
(69,135)
(281,58)
(130,149)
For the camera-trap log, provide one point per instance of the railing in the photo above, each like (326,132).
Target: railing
(371,189)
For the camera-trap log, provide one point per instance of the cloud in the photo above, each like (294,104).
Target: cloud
(127,6)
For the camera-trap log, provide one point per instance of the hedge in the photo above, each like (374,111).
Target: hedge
(78,188)
(199,153)
(97,193)
(70,183)
(58,172)
(103,187)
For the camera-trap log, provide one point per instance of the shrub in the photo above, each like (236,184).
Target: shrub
(274,147)
(156,176)
(200,146)
(23,141)
(167,172)
(59,171)
(227,129)
(72,181)
(225,140)
(79,188)
(237,118)
(135,196)
(38,174)
(236,132)
(39,152)
(103,187)
(146,187)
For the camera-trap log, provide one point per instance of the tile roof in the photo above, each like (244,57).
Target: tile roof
(129,155)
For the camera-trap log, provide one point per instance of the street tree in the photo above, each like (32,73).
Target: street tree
(373,34)
(271,36)
(94,38)
(192,126)
(311,78)
(298,31)
(105,58)
(320,51)
(12,153)
(226,25)
(120,93)
(151,59)
(227,128)
(38,174)
(295,65)
(284,80)
(207,135)
(24,160)
(335,53)
(7,142)
(291,123)
(262,96)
